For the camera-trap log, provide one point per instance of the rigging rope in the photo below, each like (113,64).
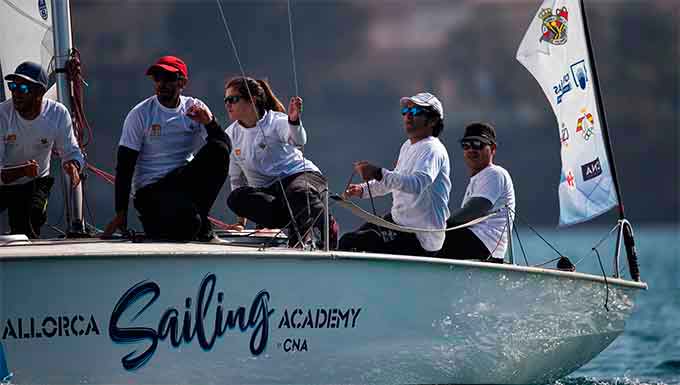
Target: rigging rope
(376,220)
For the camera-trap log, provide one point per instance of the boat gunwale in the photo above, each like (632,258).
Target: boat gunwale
(258,252)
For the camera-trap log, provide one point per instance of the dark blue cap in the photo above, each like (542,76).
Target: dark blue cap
(31,72)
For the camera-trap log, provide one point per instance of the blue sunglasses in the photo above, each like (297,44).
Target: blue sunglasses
(415,110)
(22,88)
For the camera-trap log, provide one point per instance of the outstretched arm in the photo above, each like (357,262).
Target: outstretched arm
(474,208)
(127,159)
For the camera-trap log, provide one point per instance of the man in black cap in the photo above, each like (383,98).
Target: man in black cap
(30,126)
(490,190)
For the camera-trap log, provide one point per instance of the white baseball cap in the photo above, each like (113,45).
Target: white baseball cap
(425,99)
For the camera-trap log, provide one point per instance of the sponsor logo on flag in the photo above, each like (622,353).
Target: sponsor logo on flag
(564,135)
(562,87)
(554,26)
(579,73)
(591,170)
(571,181)
(42,7)
(585,124)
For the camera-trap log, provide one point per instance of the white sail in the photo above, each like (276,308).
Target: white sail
(555,51)
(25,34)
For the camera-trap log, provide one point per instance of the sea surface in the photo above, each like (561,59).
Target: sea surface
(648,352)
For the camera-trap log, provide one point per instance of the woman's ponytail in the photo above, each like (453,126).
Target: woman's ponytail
(271,102)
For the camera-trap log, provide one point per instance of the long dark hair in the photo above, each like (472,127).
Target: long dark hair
(261,92)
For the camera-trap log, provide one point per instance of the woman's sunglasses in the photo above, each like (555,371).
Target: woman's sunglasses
(233,99)
(472,144)
(415,110)
(21,88)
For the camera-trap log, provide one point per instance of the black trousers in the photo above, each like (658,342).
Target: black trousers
(267,207)
(464,244)
(27,205)
(176,207)
(376,239)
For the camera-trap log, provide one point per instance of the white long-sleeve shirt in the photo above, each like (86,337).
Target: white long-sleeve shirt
(22,140)
(420,187)
(262,153)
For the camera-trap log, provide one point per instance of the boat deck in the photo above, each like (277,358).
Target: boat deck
(240,245)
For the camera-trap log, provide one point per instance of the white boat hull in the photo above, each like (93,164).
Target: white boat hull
(333,317)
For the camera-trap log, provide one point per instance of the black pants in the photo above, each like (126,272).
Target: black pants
(176,207)
(267,207)
(464,244)
(376,239)
(27,204)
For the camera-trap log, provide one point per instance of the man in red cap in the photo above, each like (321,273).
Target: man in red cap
(174,155)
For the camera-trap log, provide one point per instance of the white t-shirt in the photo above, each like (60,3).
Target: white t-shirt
(420,187)
(493,183)
(257,162)
(166,138)
(22,140)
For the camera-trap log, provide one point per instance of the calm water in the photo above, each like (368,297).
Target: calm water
(648,352)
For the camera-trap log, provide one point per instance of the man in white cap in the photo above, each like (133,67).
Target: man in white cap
(419,184)
(30,126)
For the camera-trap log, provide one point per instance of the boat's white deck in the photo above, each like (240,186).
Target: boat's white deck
(89,248)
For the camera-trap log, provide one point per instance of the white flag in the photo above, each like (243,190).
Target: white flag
(555,51)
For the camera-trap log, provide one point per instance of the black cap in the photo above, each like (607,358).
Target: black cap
(31,72)
(484,132)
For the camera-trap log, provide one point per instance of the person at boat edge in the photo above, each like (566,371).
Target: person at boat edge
(31,126)
(420,186)
(175,157)
(270,177)
(490,189)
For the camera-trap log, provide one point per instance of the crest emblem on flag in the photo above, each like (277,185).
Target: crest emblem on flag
(554,26)
(585,124)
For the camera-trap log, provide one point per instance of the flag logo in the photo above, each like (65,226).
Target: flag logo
(580,74)
(585,124)
(571,180)
(42,7)
(554,26)
(591,170)
(564,135)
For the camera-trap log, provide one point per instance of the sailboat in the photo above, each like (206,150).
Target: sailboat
(116,311)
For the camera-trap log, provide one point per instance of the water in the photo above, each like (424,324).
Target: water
(648,352)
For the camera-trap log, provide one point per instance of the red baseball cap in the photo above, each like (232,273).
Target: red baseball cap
(170,64)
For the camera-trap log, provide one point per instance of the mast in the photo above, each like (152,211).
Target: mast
(626,229)
(63,43)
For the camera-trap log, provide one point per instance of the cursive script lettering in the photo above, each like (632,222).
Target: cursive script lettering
(184,328)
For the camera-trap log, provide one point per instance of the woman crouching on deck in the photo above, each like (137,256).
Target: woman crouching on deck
(271,181)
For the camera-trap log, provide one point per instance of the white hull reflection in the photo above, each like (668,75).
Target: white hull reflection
(163,313)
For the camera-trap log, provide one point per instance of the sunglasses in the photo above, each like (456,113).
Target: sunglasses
(21,88)
(415,110)
(164,76)
(472,144)
(233,99)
